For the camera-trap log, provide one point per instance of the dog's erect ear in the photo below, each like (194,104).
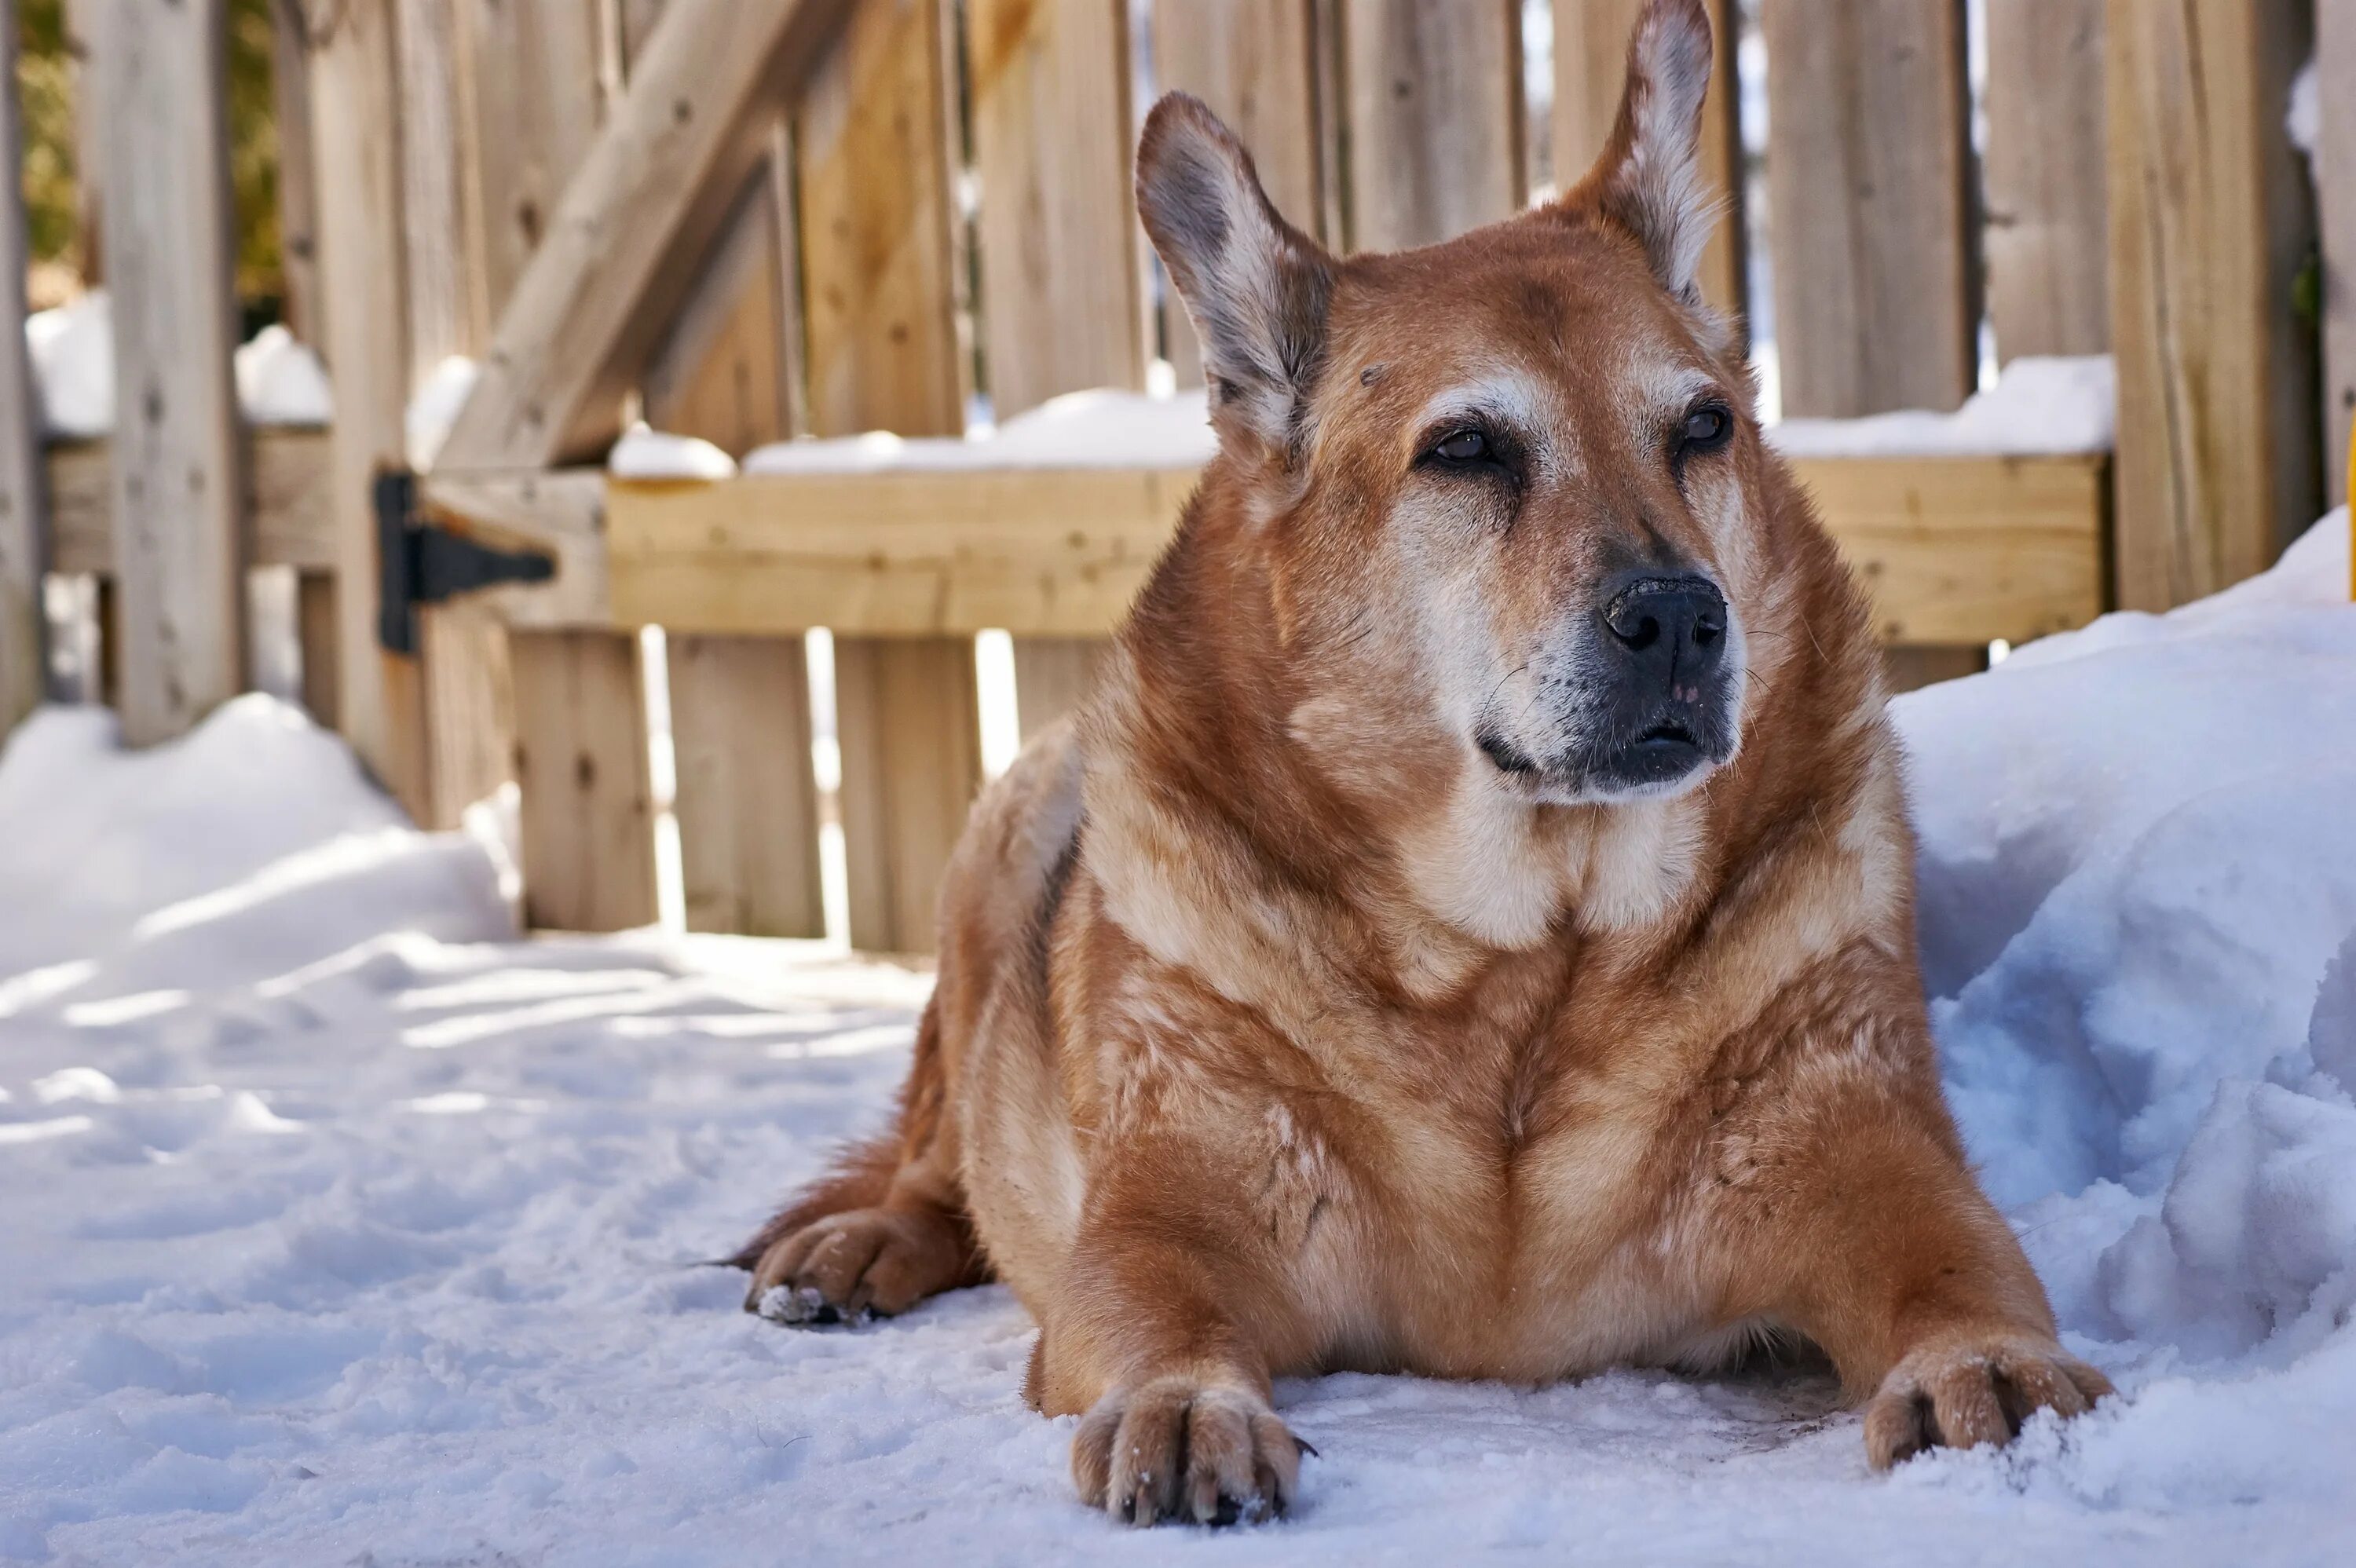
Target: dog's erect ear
(1648,179)
(1255,286)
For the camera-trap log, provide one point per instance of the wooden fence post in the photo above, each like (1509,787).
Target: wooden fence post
(1590,68)
(1061,256)
(1052,130)
(880,259)
(730,370)
(532,83)
(1867,172)
(2219,460)
(2335,168)
(179,558)
(2047,235)
(1434,117)
(24,516)
(1867,163)
(1255,63)
(364,336)
(298,199)
(581,750)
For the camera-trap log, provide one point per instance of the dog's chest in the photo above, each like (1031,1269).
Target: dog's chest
(1511,1213)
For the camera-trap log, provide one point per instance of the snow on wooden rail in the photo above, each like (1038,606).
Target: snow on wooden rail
(1961,526)
(1952,548)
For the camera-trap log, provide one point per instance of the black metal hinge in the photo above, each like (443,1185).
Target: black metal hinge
(422,562)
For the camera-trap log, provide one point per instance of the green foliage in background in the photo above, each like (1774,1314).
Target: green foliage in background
(45,89)
(46,71)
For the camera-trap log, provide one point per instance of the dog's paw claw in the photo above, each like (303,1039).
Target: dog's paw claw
(802,1306)
(1173,1450)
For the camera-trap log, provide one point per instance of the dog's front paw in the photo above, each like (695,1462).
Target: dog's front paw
(855,1266)
(1961,1391)
(1178,1449)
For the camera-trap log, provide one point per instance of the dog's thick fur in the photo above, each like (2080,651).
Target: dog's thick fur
(1308,1007)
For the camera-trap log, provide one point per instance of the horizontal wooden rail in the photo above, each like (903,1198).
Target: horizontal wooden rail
(286,517)
(1952,549)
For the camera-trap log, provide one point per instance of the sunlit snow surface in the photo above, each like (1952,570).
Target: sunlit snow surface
(338,1226)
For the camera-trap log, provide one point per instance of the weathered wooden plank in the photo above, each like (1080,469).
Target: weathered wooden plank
(1254,63)
(632,226)
(1961,550)
(747,802)
(178,562)
(364,335)
(1911,668)
(24,510)
(2048,241)
(298,192)
(1053,676)
(1051,553)
(881,262)
(729,368)
(900,702)
(287,517)
(2335,63)
(1867,182)
(1061,267)
(315,635)
(1062,259)
(879,257)
(746,798)
(1952,549)
(535,91)
(448,310)
(1434,118)
(2218,444)
(581,759)
(1590,68)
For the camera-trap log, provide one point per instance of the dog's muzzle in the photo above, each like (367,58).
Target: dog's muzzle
(1662,703)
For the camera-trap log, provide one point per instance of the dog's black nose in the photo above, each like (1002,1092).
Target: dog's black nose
(1671,630)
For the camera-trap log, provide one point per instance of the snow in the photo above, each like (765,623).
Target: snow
(644,453)
(2303,117)
(279,380)
(72,350)
(343,1225)
(1098,428)
(434,407)
(2039,404)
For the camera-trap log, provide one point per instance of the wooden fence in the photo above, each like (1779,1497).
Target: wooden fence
(753,219)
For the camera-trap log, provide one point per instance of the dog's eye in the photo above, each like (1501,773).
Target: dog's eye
(1465,446)
(1706,428)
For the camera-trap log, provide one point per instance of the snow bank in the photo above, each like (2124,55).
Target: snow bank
(343,1227)
(279,380)
(2041,404)
(1079,429)
(2139,926)
(255,835)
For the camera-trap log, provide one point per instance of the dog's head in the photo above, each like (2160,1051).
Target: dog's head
(1507,488)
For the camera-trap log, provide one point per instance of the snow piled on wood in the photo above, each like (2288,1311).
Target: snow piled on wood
(280,382)
(2039,405)
(342,1225)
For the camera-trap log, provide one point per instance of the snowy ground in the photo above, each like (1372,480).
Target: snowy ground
(338,1226)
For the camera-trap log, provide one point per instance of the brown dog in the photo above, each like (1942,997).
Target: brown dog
(1471,932)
